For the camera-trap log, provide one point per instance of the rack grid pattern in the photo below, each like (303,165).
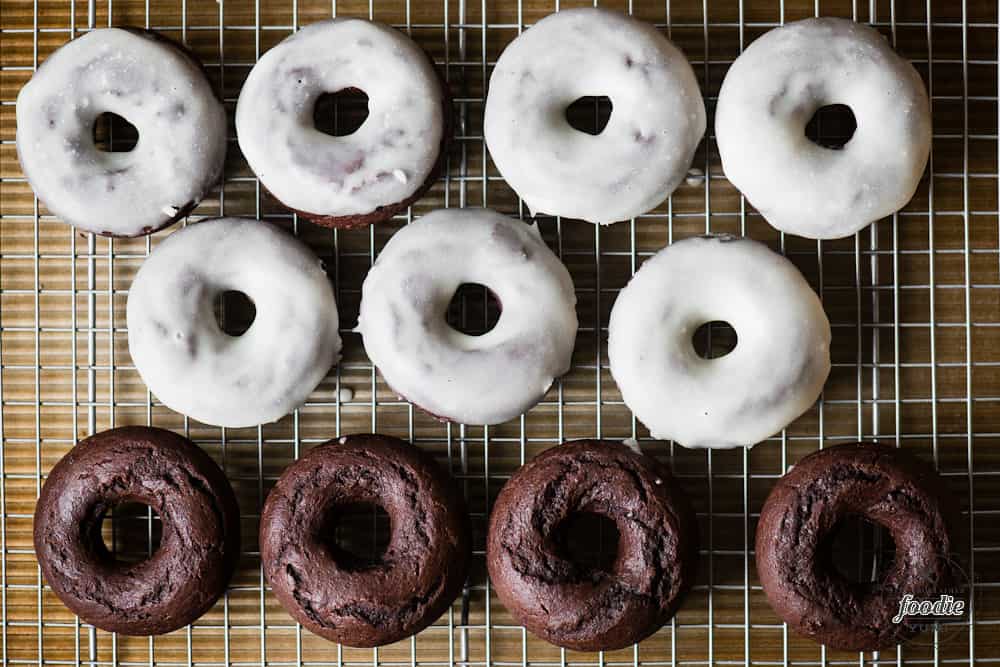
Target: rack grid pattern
(914,302)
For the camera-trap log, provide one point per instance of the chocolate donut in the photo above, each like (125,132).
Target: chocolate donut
(409,586)
(195,367)
(775,87)
(162,89)
(775,372)
(885,485)
(574,605)
(199,547)
(645,150)
(363,177)
(485,379)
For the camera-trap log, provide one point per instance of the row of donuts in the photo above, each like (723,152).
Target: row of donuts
(371,601)
(658,119)
(194,367)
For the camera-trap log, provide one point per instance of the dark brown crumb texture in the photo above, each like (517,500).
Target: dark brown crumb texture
(581,607)
(883,484)
(199,546)
(422,570)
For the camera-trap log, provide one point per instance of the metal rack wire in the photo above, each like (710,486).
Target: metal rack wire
(914,302)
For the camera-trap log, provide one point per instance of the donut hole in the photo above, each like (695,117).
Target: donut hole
(341,113)
(589,114)
(714,339)
(589,540)
(832,126)
(356,535)
(234,312)
(130,532)
(473,310)
(861,551)
(114,134)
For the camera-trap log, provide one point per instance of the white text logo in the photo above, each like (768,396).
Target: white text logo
(946,605)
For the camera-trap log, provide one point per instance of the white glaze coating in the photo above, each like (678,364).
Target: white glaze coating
(770,94)
(385,161)
(775,372)
(483,379)
(657,117)
(152,84)
(197,369)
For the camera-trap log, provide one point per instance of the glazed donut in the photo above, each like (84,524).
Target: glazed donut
(643,153)
(357,179)
(424,565)
(199,545)
(154,84)
(196,368)
(772,91)
(776,371)
(484,379)
(577,606)
(883,484)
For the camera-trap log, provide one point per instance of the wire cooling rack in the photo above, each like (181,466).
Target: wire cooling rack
(914,302)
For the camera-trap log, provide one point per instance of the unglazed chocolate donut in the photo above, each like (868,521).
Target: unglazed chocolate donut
(364,177)
(576,606)
(411,584)
(883,484)
(199,547)
(154,84)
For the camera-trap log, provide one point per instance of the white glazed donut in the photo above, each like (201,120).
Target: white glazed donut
(775,372)
(363,177)
(156,86)
(641,156)
(770,94)
(196,368)
(484,379)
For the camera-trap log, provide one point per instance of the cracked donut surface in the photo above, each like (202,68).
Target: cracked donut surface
(798,522)
(404,589)
(567,602)
(199,546)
